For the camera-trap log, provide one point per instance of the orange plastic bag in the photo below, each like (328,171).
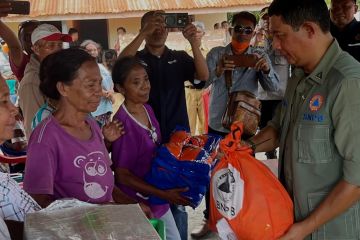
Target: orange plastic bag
(246,194)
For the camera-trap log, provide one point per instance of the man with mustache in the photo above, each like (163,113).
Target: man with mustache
(344,27)
(316,126)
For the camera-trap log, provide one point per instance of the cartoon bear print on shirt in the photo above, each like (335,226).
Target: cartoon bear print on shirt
(93,165)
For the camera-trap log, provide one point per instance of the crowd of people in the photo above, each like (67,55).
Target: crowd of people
(306,75)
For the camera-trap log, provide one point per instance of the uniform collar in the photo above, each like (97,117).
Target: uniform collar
(326,63)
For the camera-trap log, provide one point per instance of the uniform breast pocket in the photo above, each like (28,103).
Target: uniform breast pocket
(343,227)
(314,144)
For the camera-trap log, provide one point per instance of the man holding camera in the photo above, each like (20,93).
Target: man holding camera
(168,70)
(243,79)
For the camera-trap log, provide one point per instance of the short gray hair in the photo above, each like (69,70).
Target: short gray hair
(89,41)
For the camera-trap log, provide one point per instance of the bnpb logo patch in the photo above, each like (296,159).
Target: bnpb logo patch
(316,102)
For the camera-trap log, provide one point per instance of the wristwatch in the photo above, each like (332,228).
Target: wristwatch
(251,144)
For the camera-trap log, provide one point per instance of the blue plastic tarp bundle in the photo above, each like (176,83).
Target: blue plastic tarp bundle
(168,172)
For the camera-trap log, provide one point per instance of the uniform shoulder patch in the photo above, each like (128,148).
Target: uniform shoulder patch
(319,75)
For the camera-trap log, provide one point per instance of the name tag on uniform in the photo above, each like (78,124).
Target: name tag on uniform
(313,117)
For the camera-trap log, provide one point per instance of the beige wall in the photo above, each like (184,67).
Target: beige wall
(210,19)
(13,26)
(132,26)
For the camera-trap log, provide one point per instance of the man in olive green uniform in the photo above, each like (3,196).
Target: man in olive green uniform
(317,127)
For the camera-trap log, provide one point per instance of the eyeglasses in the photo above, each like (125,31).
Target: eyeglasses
(243,30)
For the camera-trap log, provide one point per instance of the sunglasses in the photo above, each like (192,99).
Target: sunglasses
(243,30)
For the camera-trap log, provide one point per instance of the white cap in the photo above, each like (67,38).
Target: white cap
(49,32)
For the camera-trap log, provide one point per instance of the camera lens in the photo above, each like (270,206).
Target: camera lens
(170,20)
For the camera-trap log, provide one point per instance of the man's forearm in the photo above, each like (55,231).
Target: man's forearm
(120,197)
(132,48)
(341,198)
(15,49)
(202,72)
(266,140)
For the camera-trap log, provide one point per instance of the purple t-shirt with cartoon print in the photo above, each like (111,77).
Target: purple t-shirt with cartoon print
(136,149)
(58,164)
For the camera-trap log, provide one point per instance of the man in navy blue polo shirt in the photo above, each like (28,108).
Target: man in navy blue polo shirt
(168,70)
(344,27)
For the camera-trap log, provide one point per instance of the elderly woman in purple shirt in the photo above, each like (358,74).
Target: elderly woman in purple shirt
(132,154)
(67,156)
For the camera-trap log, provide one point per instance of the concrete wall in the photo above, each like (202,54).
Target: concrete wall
(13,26)
(210,19)
(132,26)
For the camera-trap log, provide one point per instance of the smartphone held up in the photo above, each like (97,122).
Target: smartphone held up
(176,20)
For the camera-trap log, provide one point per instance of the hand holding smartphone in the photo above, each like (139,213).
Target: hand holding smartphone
(242,60)
(175,20)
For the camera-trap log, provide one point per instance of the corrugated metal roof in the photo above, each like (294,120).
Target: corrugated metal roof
(62,8)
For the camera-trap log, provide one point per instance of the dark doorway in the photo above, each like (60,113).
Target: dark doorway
(96,30)
(57,24)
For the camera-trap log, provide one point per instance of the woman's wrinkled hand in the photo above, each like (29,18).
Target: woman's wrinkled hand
(174,196)
(113,130)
